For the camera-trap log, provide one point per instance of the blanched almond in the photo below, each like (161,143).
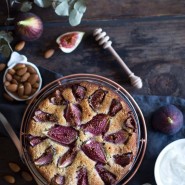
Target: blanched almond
(8,77)
(26,176)
(2,66)
(33,78)
(49,53)
(21,71)
(31,69)
(25,77)
(7,97)
(19,46)
(27,88)
(12,87)
(14,167)
(10,179)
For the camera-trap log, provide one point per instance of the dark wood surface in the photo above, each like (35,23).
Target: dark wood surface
(148,35)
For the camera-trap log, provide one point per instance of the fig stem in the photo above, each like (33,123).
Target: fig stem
(27,22)
(170,120)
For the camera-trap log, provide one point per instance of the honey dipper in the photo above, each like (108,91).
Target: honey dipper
(103,40)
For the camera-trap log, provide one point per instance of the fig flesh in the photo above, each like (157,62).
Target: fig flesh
(167,119)
(82,176)
(69,41)
(58,180)
(28,26)
(123,159)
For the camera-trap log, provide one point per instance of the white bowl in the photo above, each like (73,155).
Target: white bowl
(170,164)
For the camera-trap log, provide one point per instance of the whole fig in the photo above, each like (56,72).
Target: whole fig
(167,119)
(28,26)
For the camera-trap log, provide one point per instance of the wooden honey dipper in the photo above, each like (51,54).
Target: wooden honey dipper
(103,40)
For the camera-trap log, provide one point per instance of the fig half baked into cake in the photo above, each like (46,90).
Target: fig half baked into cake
(83,134)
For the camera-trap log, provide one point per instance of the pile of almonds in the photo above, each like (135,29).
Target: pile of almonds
(22,80)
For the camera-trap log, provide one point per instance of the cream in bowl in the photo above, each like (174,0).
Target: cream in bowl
(170,164)
(22,79)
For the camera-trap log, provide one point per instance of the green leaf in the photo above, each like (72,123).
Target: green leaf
(26,6)
(43,3)
(7,36)
(80,6)
(75,17)
(5,50)
(62,8)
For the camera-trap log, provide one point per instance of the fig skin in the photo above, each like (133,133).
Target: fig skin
(167,119)
(28,26)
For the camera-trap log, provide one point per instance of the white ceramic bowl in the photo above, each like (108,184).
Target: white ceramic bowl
(15,59)
(170,164)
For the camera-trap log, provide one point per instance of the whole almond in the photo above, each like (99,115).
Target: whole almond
(11,71)
(22,71)
(16,77)
(12,87)
(19,46)
(27,88)
(49,53)
(33,78)
(8,77)
(14,81)
(10,179)
(14,167)
(35,85)
(19,66)
(20,90)
(6,83)
(7,97)
(31,69)
(26,176)
(25,77)
(2,66)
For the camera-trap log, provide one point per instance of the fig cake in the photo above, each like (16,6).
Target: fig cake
(83,133)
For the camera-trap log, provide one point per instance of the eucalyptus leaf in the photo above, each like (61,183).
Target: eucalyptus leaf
(26,6)
(43,3)
(62,8)
(80,6)
(75,17)
(5,50)
(7,36)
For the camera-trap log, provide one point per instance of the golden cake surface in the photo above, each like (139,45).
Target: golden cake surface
(83,134)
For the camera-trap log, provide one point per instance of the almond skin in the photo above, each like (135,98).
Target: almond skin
(26,176)
(27,88)
(6,83)
(25,77)
(11,71)
(20,90)
(19,66)
(21,71)
(14,81)
(10,179)
(49,53)
(33,79)
(19,46)
(8,77)
(12,87)
(31,69)
(14,167)
(2,67)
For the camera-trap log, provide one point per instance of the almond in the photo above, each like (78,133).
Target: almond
(19,46)
(14,167)
(20,90)
(14,81)
(2,66)
(19,66)
(26,176)
(6,83)
(8,77)
(16,77)
(7,97)
(10,179)
(22,71)
(33,78)
(11,71)
(49,53)
(31,69)
(27,88)
(12,87)
(36,85)
(25,77)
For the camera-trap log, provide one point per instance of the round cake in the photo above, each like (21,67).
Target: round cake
(83,134)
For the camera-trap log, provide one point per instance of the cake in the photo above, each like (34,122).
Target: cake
(83,134)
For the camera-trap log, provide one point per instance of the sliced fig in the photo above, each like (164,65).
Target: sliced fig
(73,114)
(62,134)
(94,150)
(79,92)
(67,158)
(108,177)
(82,176)
(68,42)
(35,140)
(56,98)
(123,159)
(41,116)
(115,107)
(97,98)
(58,180)
(97,125)
(130,123)
(119,137)
(46,157)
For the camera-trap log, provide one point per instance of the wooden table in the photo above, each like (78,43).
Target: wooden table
(148,35)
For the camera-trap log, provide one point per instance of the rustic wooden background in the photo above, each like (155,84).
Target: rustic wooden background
(148,35)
